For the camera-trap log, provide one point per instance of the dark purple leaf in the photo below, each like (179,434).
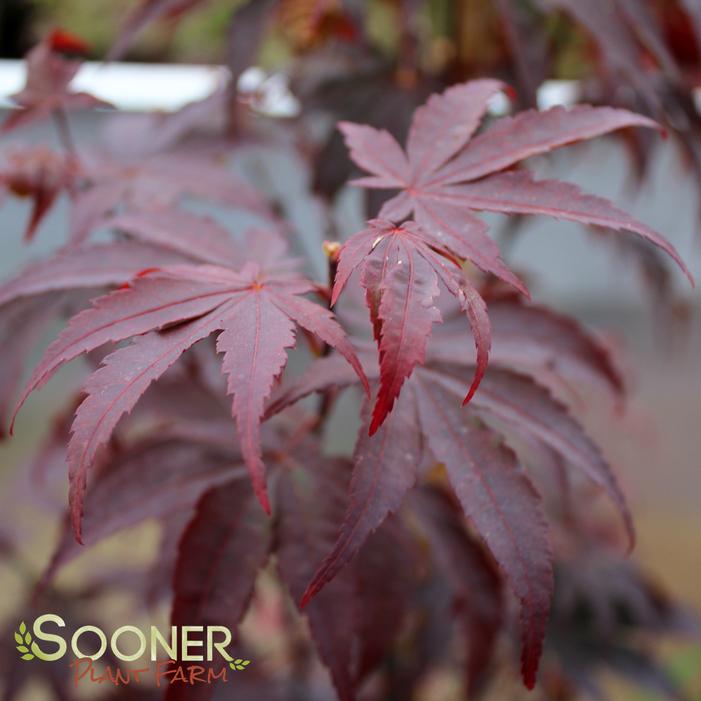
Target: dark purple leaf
(501,503)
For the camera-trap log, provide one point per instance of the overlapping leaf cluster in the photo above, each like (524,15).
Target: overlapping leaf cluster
(448,498)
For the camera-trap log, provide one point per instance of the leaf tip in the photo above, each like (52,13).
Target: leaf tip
(262,494)
(146,271)
(383,406)
(335,294)
(13,418)
(377,418)
(363,380)
(313,588)
(529,682)
(64,42)
(529,667)
(473,388)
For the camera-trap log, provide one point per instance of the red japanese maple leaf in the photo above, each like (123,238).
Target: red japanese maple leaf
(230,539)
(496,495)
(446,175)
(49,75)
(166,311)
(400,270)
(351,627)
(427,425)
(117,184)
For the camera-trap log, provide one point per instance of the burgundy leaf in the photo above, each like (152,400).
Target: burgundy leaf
(449,225)
(311,502)
(323,374)
(133,184)
(189,234)
(322,324)
(530,133)
(47,89)
(503,505)
(91,207)
(377,152)
(220,554)
(641,17)
(472,575)
(385,575)
(252,361)
(476,309)
(534,339)
(431,189)
(21,325)
(160,574)
(537,337)
(617,43)
(528,45)
(400,267)
(623,605)
(384,469)
(406,287)
(114,389)
(518,402)
(445,124)
(154,133)
(552,347)
(97,265)
(152,302)
(172,175)
(519,193)
(187,303)
(150,479)
(221,551)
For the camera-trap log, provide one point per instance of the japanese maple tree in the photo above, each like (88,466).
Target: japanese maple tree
(466,494)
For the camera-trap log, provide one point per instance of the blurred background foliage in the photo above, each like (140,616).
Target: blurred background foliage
(201,36)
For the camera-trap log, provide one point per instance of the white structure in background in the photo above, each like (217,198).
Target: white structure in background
(136,87)
(141,87)
(268,94)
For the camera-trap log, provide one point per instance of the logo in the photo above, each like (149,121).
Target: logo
(27,649)
(186,654)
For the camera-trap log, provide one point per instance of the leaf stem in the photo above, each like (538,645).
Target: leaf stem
(327,398)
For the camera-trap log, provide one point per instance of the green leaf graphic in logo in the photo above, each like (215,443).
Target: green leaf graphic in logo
(23,638)
(239,664)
